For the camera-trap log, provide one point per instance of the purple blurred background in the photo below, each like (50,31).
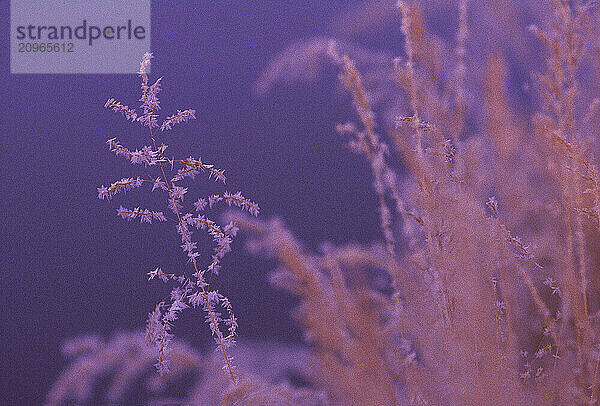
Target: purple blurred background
(71,267)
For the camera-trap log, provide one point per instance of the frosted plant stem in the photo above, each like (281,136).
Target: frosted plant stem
(204,294)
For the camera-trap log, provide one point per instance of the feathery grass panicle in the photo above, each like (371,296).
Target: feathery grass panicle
(366,141)
(192,289)
(116,106)
(180,117)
